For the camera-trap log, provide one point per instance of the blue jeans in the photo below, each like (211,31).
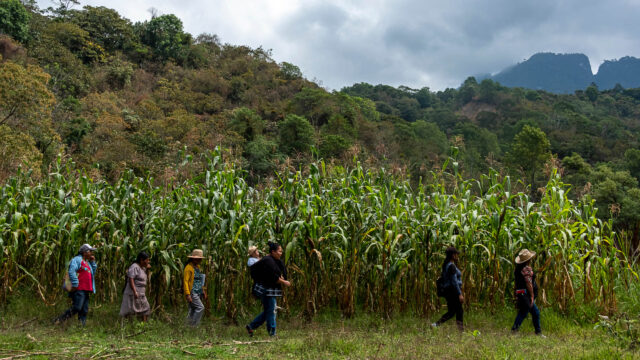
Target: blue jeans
(80,306)
(268,314)
(523,311)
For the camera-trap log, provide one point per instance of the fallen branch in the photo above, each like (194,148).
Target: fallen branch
(236,342)
(136,334)
(25,323)
(96,354)
(187,352)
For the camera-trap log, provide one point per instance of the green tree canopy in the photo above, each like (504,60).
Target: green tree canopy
(296,135)
(530,151)
(14,20)
(165,36)
(105,26)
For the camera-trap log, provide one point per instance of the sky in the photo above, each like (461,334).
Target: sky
(415,43)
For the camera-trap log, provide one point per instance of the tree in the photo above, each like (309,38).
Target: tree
(488,91)
(467,90)
(333,146)
(530,151)
(296,135)
(289,71)
(165,36)
(14,20)
(246,123)
(16,149)
(576,170)
(260,154)
(105,26)
(24,96)
(632,162)
(76,40)
(592,92)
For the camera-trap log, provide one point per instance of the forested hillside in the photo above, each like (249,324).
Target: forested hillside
(89,85)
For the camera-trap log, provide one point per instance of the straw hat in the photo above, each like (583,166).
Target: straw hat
(196,254)
(524,255)
(252,249)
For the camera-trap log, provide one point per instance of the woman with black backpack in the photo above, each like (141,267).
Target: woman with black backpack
(452,286)
(269,274)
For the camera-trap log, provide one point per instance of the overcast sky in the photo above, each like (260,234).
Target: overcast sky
(406,42)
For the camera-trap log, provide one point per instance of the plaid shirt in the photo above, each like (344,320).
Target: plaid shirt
(260,291)
(527,272)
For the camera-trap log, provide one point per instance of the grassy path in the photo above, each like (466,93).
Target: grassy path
(31,336)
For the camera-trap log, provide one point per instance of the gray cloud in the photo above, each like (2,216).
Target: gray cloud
(407,42)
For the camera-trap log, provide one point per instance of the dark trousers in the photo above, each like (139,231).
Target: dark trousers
(523,310)
(80,306)
(454,307)
(268,314)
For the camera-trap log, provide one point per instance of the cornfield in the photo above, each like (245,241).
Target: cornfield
(354,239)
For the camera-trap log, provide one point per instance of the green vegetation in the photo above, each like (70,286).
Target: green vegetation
(353,238)
(115,95)
(120,125)
(328,337)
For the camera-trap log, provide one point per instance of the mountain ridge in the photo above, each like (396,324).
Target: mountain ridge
(566,73)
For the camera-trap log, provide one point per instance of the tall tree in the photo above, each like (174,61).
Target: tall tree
(296,135)
(14,20)
(165,36)
(530,151)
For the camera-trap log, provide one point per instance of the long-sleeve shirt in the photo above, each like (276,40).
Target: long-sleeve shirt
(74,266)
(454,278)
(193,280)
(266,273)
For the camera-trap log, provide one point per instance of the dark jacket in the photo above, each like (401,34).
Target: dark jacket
(453,279)
(267,271)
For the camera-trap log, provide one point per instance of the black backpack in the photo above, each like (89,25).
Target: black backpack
(441,289)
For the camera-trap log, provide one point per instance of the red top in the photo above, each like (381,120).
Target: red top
(84,277)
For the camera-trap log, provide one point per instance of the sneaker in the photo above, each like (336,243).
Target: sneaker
(541,335)
(434,325)
(249,330)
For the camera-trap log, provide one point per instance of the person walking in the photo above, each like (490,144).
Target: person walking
(134,298)
(194,287)
(526,291)
(82,269)
(453,289)
(270,275)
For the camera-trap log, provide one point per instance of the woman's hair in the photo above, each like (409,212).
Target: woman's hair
(273,246)
(521,266)
(142,256)
(252,249)
(449,256)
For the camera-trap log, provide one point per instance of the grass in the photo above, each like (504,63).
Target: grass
(27,332)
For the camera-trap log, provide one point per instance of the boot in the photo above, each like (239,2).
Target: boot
(460,325)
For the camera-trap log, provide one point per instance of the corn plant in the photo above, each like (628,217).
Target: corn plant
(354,238)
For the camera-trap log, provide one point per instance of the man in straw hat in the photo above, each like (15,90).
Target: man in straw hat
(194,287)
(526,291)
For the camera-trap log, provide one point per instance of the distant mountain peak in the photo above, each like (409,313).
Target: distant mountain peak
(566,73)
